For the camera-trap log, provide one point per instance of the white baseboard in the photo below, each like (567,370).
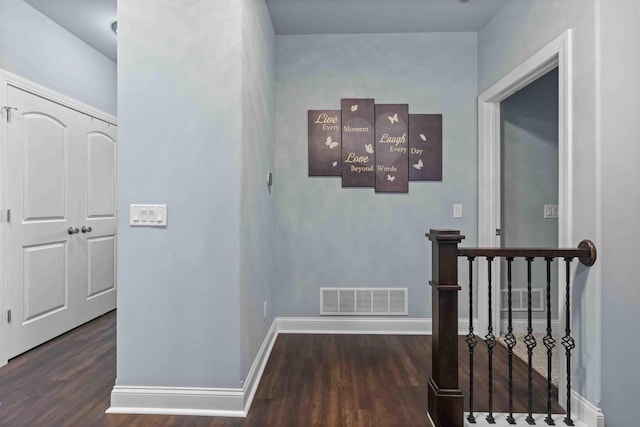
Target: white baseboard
(350,325)
(538,325)
(177,401)
(585,411)
(257,368)
(195,401)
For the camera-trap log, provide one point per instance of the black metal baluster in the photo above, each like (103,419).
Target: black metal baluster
(549,343)
(568,342)
(490,340)
(530,341)
(471,342)
(510,339)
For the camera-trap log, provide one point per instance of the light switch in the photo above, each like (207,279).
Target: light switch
(148,215)
(550,211)
(457,211)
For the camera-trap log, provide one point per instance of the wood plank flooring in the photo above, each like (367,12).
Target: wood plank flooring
(310,380)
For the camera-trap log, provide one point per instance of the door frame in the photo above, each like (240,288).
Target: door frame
(556,54)
(7,80)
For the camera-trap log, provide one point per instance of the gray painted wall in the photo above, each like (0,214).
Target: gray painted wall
(620,152)
(180,108)
(330,236)
(529,156)
(36,48)
(257,205)
(515,33)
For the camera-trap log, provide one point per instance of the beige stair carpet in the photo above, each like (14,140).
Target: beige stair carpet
(539,357)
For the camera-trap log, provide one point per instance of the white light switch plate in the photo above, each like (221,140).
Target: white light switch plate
(550,211)
(457,211)
(148,215)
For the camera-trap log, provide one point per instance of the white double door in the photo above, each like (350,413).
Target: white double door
(61,239)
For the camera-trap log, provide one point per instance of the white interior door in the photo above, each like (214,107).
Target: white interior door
(42,193)
(97,204)
(60,242)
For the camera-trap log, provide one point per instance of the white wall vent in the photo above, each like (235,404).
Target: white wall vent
(364,301)
(519,299)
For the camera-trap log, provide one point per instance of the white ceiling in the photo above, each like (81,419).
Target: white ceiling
(379,16)
(90,20)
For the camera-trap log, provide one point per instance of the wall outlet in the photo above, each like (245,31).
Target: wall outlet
(264,311)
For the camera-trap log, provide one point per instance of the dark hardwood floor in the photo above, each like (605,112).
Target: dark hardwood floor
(322,380)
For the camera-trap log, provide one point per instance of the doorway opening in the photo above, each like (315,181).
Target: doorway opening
(555,56)
(529,209)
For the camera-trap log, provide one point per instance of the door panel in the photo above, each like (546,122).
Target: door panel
(101,266)
(45,280)
(100,175)
(44,167)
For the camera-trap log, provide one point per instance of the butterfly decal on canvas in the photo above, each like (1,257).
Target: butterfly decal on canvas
(422,137)
(390,178)
(354,107)
(393,119)
(369,148)
(330,143)
(419,165)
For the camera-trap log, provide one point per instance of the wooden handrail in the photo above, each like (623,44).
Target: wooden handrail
(586,252)
(445,400)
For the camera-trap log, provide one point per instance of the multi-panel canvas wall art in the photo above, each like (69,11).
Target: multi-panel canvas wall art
(375,145)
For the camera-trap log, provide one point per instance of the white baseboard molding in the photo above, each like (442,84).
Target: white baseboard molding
(585,411)
(195,401)
(538,325)
(236,402)
(257,368)
(177,401)
(350,325)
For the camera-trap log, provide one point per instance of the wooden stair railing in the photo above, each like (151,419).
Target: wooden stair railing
(445,399)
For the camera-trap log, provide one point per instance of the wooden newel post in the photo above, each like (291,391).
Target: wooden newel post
(445,400)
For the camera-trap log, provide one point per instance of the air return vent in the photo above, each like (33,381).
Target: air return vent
(519,300)
(363,301)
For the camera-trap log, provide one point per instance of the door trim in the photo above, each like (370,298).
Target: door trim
(558,53)
(8,79)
